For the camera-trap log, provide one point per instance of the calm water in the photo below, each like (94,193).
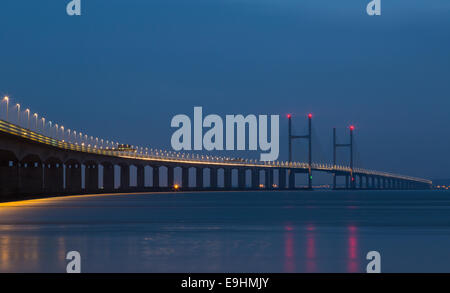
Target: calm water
(318,231)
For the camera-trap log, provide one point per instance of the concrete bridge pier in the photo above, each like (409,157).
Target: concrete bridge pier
(185,177)
(9,177)
(353,181)
(73,177)
(266,180)
(124,177)
(282,178)
(91,177)
(347,182)
(53,177)
(170,176)
(270,177)
(227,178)
(108,177)
(255,178)
(140,177)
(366,181)
(213,177)
(241,178)
(31,175)
(291,179)
(156,176)
(199,177)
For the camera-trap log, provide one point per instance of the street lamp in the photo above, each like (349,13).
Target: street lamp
(18,113)
(28,113)
(36,116)
(43,125)
(6,99)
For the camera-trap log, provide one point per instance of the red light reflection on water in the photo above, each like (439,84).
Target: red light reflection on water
(311,265)
(289,257)
(353,262)
(289,249)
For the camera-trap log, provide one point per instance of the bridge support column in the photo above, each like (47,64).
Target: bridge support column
(9,178)
(124,177)
(347,181)
(334,180)
(140,177)
(255,178)
(227,178)
(155,176)
(91,177)
(73,178)
(199,177)
(213,178)
(282,178)
(170,176)
(291,179)
(53,178)
(108,177)
(241,178)
(353,181)
(31,177)
(360,178)
(266,179)
(185,177)
(270,171)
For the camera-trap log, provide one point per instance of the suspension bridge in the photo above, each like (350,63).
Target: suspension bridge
(41,157)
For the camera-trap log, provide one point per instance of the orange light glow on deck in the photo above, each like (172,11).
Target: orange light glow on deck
(176,187)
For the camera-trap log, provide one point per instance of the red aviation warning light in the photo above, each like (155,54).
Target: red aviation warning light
(289,116)
(352,127)
(309,115)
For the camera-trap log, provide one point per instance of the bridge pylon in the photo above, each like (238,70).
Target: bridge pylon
(309,138)
(350,146)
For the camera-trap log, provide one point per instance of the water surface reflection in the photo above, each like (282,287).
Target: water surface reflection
(229,232)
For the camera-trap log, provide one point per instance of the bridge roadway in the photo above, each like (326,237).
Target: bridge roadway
(34,164)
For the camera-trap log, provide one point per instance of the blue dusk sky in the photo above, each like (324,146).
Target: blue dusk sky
(124,68)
